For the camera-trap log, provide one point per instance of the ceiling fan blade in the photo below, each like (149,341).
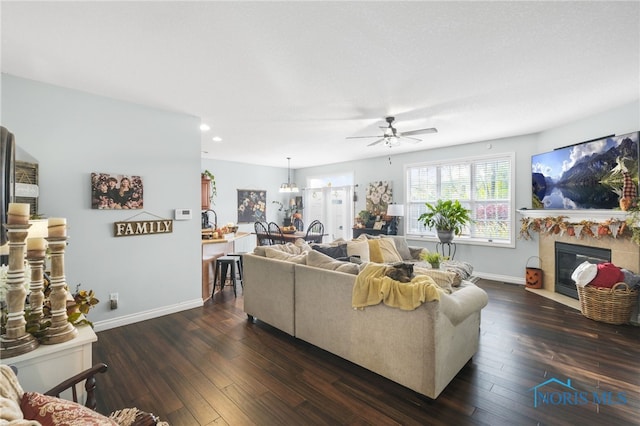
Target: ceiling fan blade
(361,137)
(376,142)
(410,139)
(420,131)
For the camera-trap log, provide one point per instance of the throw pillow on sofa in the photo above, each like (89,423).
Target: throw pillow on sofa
(359,248)
(375,253)
(389,251)
(320,260)
(463,269)
(401,246)
(445,279)
(336,252)
(49,410)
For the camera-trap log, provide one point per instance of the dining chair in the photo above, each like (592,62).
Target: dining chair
(275,233)
(262,234)
(315,232)
(299,224)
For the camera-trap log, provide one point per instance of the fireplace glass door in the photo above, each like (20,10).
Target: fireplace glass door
(568,257)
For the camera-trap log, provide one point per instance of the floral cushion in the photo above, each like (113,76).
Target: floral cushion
(49,410)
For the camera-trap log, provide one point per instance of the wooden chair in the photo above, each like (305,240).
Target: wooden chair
(262,234)
(315,232)
(299,224)
(129,416)
(275,233)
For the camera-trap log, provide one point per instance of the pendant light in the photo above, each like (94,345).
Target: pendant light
(288,187)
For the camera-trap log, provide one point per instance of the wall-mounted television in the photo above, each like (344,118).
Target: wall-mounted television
(587,175)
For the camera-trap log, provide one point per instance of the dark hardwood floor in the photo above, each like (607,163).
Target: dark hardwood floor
(210,366)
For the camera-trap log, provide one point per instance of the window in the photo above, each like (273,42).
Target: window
(482,184)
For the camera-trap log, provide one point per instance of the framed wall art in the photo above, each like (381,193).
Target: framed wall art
(379,195)
(116,192)
(252,205)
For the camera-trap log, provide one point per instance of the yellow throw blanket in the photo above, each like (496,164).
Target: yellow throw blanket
(373,286)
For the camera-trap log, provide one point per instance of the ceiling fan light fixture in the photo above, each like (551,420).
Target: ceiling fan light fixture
(289,186)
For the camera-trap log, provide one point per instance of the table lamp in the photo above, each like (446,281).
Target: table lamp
(395,211)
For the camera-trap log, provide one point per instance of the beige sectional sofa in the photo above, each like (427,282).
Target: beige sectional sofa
(422,349)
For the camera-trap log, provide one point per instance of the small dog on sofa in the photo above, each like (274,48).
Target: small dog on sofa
(400,271)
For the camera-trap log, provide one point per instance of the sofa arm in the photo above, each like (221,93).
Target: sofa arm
(463,302)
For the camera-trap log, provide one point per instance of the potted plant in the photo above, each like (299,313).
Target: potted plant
(433,258)
(214,191)
(447,217)
(365,217)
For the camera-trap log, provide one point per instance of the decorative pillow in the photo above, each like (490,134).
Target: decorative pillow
(464,269)
(401,246)
(49,410)
(389,252)
(375,253)
(444,279)
(273,253)
(319,260)
(358,248)
(334,252)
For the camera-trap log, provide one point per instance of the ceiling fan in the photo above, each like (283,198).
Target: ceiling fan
(391,136)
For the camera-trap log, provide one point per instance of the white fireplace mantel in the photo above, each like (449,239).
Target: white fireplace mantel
(575,215)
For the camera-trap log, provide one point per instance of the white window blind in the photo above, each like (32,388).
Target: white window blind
(484,185)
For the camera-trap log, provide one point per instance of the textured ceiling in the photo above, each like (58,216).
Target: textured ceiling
(293,79)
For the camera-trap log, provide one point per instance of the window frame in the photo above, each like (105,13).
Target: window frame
(467,161)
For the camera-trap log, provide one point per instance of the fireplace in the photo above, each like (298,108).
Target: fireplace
(567,259)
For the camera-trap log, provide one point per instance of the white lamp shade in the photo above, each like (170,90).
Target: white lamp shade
(395,210)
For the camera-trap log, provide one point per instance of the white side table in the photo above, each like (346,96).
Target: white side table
(48,365)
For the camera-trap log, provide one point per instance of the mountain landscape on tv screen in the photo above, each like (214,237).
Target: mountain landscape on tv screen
(588,175)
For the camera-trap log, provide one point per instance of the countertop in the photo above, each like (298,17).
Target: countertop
(230,238)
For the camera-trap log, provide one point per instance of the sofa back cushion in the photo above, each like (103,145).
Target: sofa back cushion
(320,260)
(274,253)
(297,247)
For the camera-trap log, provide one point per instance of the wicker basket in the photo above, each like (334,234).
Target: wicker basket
(611,305)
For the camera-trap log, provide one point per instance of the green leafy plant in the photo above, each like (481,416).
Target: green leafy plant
(83,301)
(214,189)
(365,216)
(288,212)
(433,258)
(446,215)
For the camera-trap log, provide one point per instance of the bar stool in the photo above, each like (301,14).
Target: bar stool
(239,254)
(222,265)
(208,264)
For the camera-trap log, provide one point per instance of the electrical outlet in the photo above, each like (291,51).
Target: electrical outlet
(113,300)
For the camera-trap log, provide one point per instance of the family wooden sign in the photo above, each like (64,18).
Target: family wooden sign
(143,227)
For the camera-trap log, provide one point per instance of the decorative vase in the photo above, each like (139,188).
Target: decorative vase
(445,236)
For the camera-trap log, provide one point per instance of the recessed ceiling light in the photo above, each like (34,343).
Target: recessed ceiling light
(205,127)
(217,139)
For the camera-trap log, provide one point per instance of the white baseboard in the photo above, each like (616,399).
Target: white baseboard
(501,278)
(145,315)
